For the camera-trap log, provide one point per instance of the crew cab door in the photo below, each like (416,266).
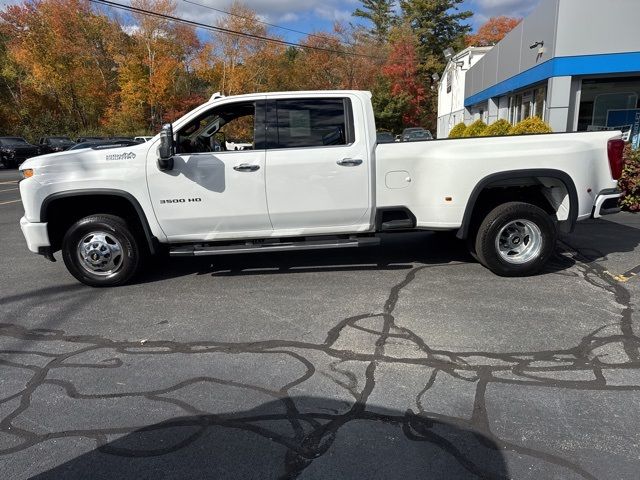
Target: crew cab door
(318,165)
(216,189)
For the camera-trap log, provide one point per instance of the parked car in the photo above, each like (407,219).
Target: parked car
(416,134)
(15,150)
(142,139)
(89,139)
(104,144)
(55,144)
(385,137)
(107,210)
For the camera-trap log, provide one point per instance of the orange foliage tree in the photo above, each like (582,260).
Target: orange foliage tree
(69,66)
(152,66)
(491,32)
(401,70)
(58,63)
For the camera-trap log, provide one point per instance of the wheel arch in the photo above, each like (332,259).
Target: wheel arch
(565,226)
(132,209)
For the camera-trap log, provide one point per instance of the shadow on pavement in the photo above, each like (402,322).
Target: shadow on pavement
(291,438)
(597,239)
(401,251)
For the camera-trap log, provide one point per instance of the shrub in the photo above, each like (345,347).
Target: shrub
(476,129)
(458,130)
(529,126)
(630,181)
(497,129)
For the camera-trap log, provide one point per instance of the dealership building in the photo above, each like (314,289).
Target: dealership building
(573,63)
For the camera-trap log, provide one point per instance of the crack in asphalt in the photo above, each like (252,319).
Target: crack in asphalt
(314,432)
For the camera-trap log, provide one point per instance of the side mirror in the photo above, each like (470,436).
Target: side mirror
(167,149)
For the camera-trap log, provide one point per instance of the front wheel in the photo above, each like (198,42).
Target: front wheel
(101,251)
(516,239)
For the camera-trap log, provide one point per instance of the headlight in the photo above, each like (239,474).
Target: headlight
(27,173)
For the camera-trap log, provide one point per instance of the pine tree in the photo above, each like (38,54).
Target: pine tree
(381,14)
(438,24)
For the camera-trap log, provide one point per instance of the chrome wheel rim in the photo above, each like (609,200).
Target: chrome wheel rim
(519,241)
(100,253)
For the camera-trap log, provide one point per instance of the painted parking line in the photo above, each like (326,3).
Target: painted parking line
(9,190)
(12,201)
(625,277)
(13,182)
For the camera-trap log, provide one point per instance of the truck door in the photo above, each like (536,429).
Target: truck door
(318,171)
(216,189)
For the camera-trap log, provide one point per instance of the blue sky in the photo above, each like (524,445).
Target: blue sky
(315,15)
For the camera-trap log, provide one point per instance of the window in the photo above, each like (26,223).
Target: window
(540,99)
(517,109)
(601,97)
(449,80)
(527,99)
(527,104)
(512,110)
(312,123)
(229,127)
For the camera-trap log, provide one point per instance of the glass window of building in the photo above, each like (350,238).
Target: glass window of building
(604,100)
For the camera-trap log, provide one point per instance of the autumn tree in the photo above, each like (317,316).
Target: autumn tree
(381,14)
(58,64)
(402,72)
(152,71)
(491,32)
(241,63)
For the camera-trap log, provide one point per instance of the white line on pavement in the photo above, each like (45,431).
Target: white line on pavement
(9,183)
(9,190)
(7,203)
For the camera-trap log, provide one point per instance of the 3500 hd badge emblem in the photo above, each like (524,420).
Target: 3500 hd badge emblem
(180,200)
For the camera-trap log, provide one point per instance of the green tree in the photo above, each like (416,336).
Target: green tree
(389,108)
(438,24)
(381,14)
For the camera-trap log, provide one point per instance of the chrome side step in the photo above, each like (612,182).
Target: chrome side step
(203,250)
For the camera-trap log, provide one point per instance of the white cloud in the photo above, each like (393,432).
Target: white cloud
(491,8)
(289,17)
(273,11)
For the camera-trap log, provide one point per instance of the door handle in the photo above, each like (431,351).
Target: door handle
(349,162)
(246,167)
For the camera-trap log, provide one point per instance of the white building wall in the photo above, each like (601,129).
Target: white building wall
(451,109)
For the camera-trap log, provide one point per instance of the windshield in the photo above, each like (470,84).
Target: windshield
(418,135)
(385,138)
(13,141)
(59,140)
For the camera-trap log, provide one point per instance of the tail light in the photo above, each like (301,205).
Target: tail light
(615,149)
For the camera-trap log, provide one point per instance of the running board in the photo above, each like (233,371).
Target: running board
(201,250)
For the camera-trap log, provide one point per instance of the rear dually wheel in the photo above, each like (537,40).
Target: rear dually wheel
(516,239)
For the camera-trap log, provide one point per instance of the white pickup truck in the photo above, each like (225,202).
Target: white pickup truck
(312,178)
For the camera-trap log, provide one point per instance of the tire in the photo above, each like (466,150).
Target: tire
(110,250)
(516,240)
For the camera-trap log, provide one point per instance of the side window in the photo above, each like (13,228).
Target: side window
(226,128)
(304,123)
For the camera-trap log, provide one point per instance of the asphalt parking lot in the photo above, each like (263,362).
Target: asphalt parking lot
(407,360)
